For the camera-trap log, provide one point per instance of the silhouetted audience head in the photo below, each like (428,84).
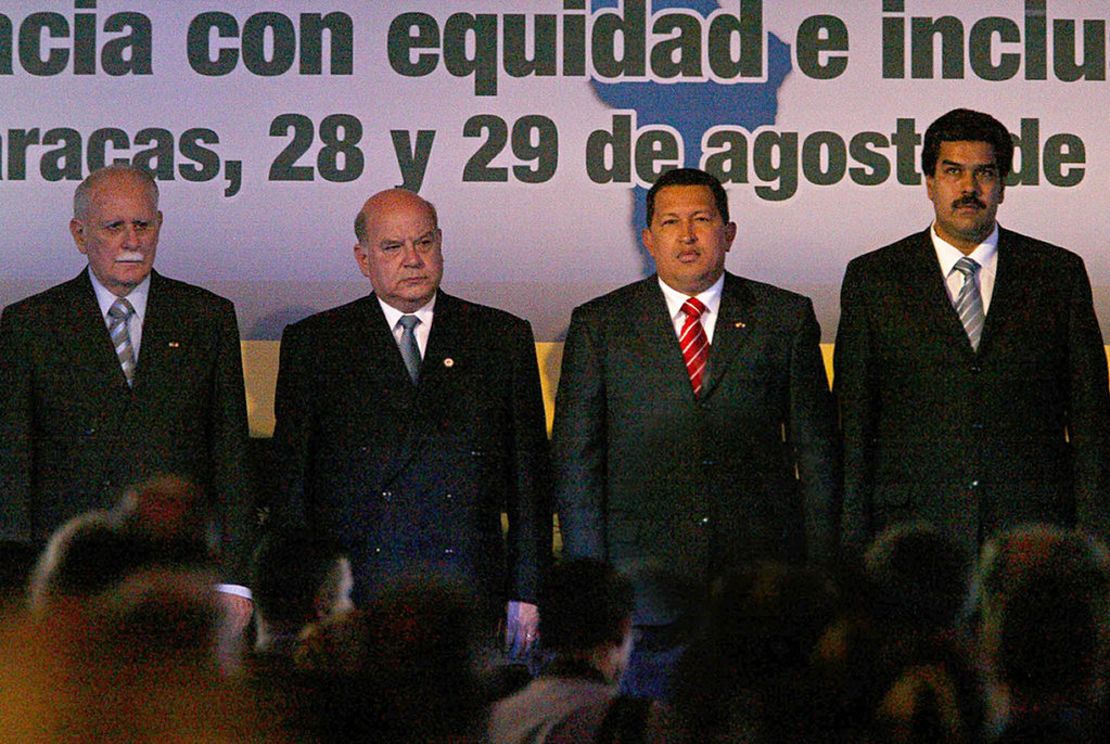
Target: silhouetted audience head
(83,558)
(741,676)
(1042,598)
(162,522)
(922,706)
(173,516)
(920,577)
(298,578)
(400,670)
(586,611)
(126,643)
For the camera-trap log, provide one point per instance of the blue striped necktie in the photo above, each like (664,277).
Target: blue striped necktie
(969,303)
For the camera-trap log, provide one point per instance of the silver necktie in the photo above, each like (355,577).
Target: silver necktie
(969,303)
(410,351)
(119,313)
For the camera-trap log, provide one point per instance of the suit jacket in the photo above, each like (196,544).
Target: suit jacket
(972,441)
(73,435)
(647,473)
(407,476)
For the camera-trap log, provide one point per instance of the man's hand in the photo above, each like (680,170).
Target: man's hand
(522,622)
(237,611)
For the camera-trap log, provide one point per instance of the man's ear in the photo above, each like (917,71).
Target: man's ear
(77,230)
(648,240)
(362,258)
(730,235)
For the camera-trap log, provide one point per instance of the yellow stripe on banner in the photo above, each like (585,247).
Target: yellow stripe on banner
(260,365)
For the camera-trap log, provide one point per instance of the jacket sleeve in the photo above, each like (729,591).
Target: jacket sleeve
(856,392)
(228,434)
(292,430)
(16,430)
(1088,407)
(579,443)
(529,505)
(812,433)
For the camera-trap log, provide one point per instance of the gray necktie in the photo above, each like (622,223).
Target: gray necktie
(119,313)
(410,352)
(969,303)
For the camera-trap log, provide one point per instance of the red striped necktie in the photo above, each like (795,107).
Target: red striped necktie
(694,343)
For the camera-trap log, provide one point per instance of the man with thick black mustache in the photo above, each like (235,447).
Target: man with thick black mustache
(969,364)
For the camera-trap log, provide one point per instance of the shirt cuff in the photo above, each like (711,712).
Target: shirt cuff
(238,591)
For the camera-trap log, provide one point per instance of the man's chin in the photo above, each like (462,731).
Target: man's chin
(127,281)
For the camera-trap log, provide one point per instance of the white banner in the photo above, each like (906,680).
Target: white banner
(534,128)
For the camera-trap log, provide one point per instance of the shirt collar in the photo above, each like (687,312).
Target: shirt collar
(985,254)
(137,296)
(711,297)
(392,314)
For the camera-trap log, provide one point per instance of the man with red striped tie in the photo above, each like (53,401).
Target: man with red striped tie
(694,429)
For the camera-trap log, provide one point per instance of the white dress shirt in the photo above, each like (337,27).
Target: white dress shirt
(422,329)
(985,254)
(137,297)
(711,298)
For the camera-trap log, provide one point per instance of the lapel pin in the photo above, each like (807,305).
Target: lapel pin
(174,344)
(448,362)
(739,324)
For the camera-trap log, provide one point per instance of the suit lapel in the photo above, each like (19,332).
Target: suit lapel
(927,294)
(1007,287)
(445,347)
(376,353)
(84,334)
(654,340)
(737,326)
(161,337)
(452,350)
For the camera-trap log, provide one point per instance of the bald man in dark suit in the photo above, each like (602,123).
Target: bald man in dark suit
(409,420)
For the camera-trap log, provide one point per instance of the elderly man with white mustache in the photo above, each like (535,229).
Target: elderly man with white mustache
(118,375)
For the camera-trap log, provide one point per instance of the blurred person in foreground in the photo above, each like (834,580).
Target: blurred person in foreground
(1042,611)
(298,578)
(586,620)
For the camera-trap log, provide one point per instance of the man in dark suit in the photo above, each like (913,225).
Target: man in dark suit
(970,367)
(408,420)
(665,459)
(118,375)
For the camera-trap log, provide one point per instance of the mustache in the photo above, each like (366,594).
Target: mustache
(968,201)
